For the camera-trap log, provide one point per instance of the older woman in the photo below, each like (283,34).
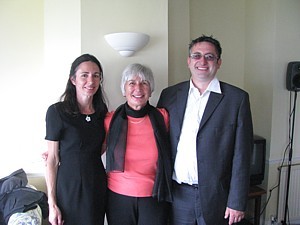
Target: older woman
(138,158)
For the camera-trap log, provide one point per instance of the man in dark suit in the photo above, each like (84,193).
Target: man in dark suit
(211,138)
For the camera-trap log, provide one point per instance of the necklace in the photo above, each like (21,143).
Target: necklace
(137,122)
(88,118)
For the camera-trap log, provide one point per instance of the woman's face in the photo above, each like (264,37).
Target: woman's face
(87,79)
(137,92)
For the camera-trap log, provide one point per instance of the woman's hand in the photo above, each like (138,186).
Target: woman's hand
(55,217)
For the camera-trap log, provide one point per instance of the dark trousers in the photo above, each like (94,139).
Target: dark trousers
(186,206)
(126,210)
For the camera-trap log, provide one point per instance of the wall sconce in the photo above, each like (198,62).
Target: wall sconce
(127,43)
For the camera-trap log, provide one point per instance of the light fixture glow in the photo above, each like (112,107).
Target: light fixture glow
(127,43)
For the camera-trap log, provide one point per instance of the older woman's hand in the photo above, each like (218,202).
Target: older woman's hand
(45,157)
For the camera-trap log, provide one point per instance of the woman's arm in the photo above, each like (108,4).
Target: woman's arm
(52,163)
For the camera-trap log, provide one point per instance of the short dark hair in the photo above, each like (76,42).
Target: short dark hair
(209,39)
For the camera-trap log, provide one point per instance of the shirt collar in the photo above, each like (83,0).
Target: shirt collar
(214,86)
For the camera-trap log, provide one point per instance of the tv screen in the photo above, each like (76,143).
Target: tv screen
(258,158)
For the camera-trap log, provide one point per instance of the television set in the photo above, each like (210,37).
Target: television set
(258,159)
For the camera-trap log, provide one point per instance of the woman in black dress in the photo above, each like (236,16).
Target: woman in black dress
(75,175)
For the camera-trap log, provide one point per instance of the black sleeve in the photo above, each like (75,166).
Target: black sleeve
(54,124)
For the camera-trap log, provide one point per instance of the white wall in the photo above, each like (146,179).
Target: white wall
(22,83)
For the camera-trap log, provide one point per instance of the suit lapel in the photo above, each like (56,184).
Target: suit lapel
(213,102)
(181,101)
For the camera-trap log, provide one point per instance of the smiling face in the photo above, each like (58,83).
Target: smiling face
(87,79)
(203,70)
(137,92)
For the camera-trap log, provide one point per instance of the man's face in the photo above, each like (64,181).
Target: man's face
(203,62)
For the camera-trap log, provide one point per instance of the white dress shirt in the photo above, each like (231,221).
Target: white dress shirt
(185,168)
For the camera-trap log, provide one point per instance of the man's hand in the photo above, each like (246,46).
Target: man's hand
(234,216)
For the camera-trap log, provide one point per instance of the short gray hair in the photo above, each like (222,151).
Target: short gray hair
(136,69)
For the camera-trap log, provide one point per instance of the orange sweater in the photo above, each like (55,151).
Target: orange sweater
(140,158)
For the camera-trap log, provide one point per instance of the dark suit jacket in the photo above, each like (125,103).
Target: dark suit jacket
(224,144)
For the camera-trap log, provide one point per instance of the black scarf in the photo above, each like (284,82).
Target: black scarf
(116,146)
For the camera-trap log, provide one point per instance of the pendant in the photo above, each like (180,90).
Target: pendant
(88,118)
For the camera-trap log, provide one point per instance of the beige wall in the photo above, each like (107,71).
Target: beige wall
(150,17)
(39,41)
(225,20)
(272,40)
(178,37)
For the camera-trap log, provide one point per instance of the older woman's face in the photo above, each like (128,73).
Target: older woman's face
(137,92)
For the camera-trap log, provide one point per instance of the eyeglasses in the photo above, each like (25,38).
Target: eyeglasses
(208,57)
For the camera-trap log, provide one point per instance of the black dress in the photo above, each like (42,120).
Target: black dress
(81,178)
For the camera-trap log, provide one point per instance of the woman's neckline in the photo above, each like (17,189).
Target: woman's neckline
(135,120)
